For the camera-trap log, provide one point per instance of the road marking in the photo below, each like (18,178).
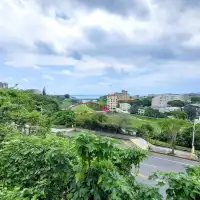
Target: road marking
(143,176)
(181,163)
(148,165)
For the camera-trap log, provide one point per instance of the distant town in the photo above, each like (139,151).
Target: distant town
(152,105)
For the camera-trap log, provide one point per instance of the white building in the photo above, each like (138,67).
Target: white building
(168,109)
(160,101)
(3,85)
(124,106)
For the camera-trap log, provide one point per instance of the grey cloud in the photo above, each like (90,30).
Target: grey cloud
(122,7)
(137,8)
(44,48)
(167,47)
(76,55)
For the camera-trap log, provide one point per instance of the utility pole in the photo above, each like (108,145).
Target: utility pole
(193,136)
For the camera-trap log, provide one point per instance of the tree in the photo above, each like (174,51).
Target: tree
(173,127)
(150,112)
(176,103)
(44,91)
(124,121)
(136,102)
(133,109)
(195,99)
(67,96)
(64,117)
(177,114)
(191,112)
(146,102)
(146,131)
(185,138)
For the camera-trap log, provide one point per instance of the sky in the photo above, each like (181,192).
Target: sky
(101,46)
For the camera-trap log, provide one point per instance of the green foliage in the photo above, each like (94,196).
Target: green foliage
(124,121)
(67,96)
(102,100)
(185,138)
(150,112)
(146,131)
(124,159)
(90,147)
(42,164)
(145,192)
(134,109)
(198,155)
(13,194)
(177,114)
(181,186)
(176,103)
(195,99)
(6,130)
(173,127)
(64,117)
(146,102)
(86,167)
(190,112)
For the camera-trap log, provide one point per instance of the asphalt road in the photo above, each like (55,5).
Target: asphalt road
(158,162)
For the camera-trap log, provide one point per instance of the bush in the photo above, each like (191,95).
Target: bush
(64,117)
(145,131)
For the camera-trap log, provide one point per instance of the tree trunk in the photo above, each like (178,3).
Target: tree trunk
(173,143)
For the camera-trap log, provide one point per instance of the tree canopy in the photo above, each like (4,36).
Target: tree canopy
(176,103)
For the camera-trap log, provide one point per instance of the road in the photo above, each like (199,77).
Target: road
(164,163)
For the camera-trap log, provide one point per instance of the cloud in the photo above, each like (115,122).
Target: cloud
(132,42)
(36,67)
(48,77)
(25,79)
(66,72)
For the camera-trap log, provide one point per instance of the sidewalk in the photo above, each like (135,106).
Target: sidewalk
(178,153)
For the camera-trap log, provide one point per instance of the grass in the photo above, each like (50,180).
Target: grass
(66,104)
(136,121)
(83,108)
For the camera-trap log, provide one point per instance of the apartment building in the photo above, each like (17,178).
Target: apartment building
(123,95)
(3,85)
(160,101)
(112,101)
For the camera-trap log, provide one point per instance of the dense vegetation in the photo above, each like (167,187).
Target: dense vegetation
(36,165)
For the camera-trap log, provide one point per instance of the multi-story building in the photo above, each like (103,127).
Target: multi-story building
(112,101)
(123,95)
(160,101)
(3,85)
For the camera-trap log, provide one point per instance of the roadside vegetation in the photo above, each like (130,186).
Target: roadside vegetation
(37,165)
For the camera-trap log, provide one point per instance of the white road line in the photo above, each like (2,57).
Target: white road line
(181,163)
(148,165)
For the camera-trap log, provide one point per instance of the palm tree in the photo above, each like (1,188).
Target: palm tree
(173,127)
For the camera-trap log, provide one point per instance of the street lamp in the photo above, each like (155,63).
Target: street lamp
(193,135)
